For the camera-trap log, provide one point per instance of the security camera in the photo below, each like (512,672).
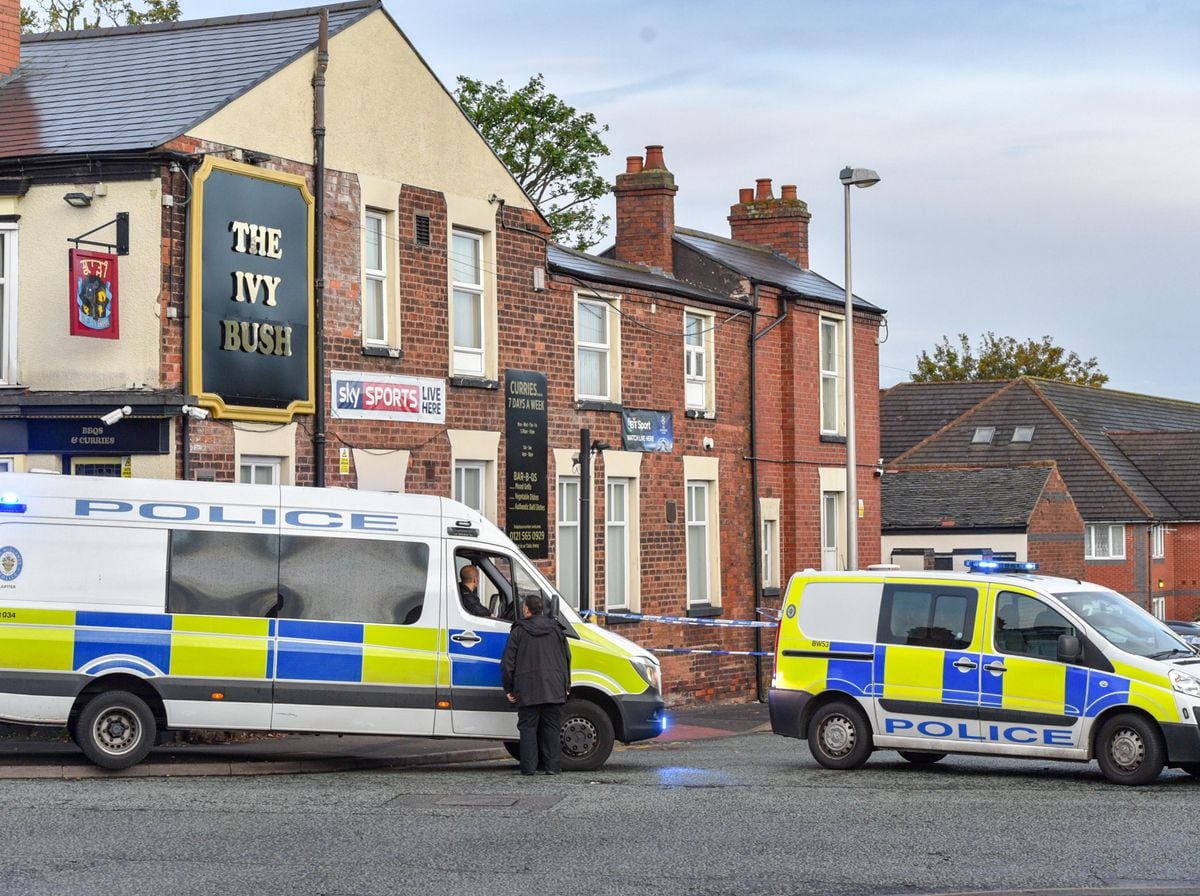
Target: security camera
(190,410)
(118,414)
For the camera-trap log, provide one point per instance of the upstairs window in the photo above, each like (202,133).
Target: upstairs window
(8,302)
(697,361)
(1104,541)
(374,292)
(597,362)
(466,265)
(1158,542)
(832,388)
(1023,434)
(983,435)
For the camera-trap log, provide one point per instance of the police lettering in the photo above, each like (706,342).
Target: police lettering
(297,518)
(1012,734)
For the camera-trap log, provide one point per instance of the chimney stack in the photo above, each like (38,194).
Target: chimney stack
(780,224)
(645,196)
(10,36)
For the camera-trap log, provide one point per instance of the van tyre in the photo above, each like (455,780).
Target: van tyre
(115,729)
(839,736)
(1130,750)
(918,758)
(586,736)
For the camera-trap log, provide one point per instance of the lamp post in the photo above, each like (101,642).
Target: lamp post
(858,177)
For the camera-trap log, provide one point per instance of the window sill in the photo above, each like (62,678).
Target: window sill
(771,591)
(474,382)
(381,351)
(703,610)
(833,439)
(697,414)
(609,621)
(590,404)
(1107,561)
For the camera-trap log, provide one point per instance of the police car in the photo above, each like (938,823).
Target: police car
(998,661)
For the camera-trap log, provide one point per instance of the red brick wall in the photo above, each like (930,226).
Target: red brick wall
(780,223)
(10,35)
(645,200)
(1055,533)
(1183,591)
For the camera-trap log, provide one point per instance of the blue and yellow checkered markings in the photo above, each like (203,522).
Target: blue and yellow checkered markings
(991,684)
(960,684)
(855,675)
(320,651)
(477,666)
(103,639)
(1075,696)
(1105,690)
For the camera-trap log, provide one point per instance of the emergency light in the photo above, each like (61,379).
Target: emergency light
(1000,566)
(10,503)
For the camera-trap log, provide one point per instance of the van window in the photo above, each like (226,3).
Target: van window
(223,573)
(1024,626)
(379,581)
(927,615)
(840,611)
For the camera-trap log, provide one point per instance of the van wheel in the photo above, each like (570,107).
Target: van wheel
(918,758)
(587,736)
(839,736)
(115,730)
(1130,750)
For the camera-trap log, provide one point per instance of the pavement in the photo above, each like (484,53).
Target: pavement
(44,752)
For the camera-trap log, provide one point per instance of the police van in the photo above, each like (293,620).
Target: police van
(998,661)
(128,607)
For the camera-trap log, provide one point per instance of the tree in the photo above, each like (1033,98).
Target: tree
(72,15)
(550,148)
(1003,358)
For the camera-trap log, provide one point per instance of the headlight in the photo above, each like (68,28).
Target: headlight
(1184,683)
(651,672)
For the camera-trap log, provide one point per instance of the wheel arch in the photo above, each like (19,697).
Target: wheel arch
(120,681)
(1125,709)
(822,700)
(604,702)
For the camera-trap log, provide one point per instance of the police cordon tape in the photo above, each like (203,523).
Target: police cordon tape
(689,620)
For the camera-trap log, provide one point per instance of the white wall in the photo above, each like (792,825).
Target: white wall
(945,544)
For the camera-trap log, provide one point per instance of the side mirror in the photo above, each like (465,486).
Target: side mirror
(1070,650)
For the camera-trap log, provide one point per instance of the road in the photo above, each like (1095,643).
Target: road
(747,814)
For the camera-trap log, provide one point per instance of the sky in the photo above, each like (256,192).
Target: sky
(1038,158)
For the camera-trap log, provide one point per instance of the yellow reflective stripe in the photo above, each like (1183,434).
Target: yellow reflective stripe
(920,670)
(1034,685)
(34,616)
(221,625)
(43,647)
(399,654)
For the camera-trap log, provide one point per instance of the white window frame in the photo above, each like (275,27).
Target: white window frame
(567,532)
(698,360)
(618,533)
(1116,541)
(983,435)
(1158,542)
(1158,607)
(832,376)
(468,360)
(1023,434)
(8,302)
(464,469)
(377,223)
(770,568)
(609,351)
(254,463)
(833,531)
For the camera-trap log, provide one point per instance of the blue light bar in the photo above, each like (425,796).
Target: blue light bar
(1000,566)
(10,503)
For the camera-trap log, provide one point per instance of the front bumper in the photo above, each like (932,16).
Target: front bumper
(787,711)
(642,716)
(1183,739)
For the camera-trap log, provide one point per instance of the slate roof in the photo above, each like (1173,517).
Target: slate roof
(913,411)
(962,498)
(138,87)
(604,270)
(761,263)
(1171,461)
(1075,427)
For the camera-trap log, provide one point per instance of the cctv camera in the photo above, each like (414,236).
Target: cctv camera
(113,416)
(190,410)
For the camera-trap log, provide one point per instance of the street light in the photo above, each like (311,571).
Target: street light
(858,177)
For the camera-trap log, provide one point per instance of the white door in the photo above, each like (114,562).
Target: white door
(831,520)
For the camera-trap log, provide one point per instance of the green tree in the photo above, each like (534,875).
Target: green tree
(550,148)
(1004,358)
(73,15)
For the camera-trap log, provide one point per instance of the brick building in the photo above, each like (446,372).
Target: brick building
(1127,460)
(359,301)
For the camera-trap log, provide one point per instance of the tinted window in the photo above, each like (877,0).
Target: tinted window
(1027,627)
(222,573)
(927,615)
(353,579)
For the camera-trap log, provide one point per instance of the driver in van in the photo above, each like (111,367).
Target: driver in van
(468,590)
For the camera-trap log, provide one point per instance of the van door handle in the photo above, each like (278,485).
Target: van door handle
(468,638)
(996,667)
(965,664)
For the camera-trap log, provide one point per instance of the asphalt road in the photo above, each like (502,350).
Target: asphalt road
(746,814)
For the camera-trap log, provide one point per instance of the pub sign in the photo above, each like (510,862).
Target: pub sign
(93,294)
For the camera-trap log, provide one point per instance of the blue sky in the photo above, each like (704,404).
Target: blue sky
(1038,157)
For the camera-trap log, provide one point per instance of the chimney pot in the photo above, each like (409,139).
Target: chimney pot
(633,164)
(764,188)
(654,157)
(788,191)
(746,195)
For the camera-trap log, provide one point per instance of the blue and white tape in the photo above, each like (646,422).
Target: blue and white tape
(681,620)
(681,650)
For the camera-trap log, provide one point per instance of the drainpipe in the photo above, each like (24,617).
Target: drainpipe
(318,84)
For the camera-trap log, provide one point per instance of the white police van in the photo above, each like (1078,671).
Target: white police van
(1000,662)
(131,606)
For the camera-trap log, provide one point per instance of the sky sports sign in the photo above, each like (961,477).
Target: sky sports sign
(378,396)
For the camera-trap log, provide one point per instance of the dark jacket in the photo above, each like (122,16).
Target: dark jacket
(536,665)
(471,602)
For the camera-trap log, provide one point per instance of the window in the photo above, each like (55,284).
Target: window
(927,615)
(1025,626)
(469,479)
(8,302)
(596,350)
(1104,541)
(697,361)
(568,539)
(466,264)
(983,435)
(698,569)
(769,561)
(1158,542)
(1023,433)
(374,295)
(831,529)
(114,467)
(259,470)
(617,565)
(831,376)
(6,464)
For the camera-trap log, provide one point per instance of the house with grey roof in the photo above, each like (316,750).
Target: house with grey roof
(1125,458)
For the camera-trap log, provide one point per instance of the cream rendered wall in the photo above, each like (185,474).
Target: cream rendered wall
(48,357)
(944,544)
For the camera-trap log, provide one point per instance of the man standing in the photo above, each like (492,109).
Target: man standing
(536,672)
